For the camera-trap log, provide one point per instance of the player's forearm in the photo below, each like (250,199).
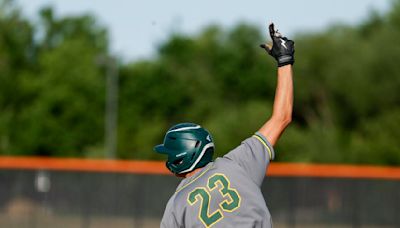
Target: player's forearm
(283,106)
(283,103)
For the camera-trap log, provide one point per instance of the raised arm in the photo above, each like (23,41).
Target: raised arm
(283,51)
(283,104)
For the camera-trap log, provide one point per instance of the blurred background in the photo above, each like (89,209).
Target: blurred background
(105,79)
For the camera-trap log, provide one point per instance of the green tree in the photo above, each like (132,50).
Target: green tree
(346,89)
(54,89)
(16,60)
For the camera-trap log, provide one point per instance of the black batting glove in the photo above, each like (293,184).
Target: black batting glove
(282,48)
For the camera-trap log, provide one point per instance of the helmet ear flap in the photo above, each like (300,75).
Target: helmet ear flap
(192,156)
(207,157)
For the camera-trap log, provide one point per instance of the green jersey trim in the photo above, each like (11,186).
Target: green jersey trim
(266,144)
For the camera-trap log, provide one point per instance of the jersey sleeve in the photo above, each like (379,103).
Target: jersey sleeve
(169,220)
(253,155)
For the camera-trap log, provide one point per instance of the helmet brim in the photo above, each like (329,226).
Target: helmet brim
(161,149)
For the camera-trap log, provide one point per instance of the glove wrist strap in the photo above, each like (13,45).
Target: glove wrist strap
(285,60)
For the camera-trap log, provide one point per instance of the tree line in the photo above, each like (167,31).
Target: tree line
(52,90)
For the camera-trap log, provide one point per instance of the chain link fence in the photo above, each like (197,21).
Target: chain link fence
(48,199)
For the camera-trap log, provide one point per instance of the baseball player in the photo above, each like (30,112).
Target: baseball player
(226,192)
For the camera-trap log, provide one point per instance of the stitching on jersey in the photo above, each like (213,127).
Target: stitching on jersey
(184,186)
(265,144)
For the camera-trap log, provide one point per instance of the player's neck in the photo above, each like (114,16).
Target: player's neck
(194,172)
(185,175)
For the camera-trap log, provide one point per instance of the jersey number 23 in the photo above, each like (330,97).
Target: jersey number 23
(231,203)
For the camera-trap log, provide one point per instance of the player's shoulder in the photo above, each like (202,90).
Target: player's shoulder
(177,199)
(256,143)
(224,162)
(171,204)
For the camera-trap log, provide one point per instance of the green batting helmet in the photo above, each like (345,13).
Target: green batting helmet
(188,146)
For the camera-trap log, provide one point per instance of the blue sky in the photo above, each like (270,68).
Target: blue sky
(137,27)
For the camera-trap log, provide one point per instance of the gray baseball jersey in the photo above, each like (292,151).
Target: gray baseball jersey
(226,192)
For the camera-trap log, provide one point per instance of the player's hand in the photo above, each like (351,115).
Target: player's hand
(282,48)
